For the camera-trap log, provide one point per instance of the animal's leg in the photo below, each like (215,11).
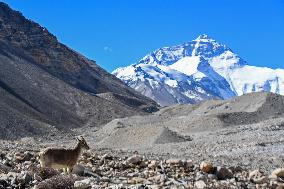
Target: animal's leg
(65,170)
(41,162)
(68,170)
(41,169)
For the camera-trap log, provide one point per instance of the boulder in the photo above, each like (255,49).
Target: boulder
(257,177)
(278,174)
(223,173)
(136,159)
(206,167)
(78,169)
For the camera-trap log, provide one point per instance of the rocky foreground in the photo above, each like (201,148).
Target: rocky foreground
(19,168)
(236,143)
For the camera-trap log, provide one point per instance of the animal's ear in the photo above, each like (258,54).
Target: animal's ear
(77,139)
(82,138)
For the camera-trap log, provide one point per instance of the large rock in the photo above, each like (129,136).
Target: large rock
(278,174)
(136,159)
(223,173)
(78,169)
(257,177)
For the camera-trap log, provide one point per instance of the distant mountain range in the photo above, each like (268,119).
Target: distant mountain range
(196,71)
(46,87)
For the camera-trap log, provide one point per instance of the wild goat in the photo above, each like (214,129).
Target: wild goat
(61,157)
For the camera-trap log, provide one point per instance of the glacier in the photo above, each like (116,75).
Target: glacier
(198,70)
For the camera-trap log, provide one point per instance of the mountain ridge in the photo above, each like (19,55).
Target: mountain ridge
(47,88)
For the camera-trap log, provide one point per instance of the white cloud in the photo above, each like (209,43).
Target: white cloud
(107,49)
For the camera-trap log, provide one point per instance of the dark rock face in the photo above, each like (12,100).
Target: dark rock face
(45,86)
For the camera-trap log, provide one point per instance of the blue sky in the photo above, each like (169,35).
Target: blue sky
(119,32)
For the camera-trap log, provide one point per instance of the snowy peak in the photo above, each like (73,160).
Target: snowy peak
(198,70)
(202,46)
(204,38)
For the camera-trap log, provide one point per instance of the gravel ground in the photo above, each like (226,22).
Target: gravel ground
(96,169)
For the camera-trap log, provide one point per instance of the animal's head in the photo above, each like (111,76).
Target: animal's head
(82,142)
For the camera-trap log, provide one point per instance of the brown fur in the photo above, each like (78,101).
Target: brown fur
(62,157)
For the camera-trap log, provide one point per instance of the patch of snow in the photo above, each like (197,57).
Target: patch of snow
(187,65)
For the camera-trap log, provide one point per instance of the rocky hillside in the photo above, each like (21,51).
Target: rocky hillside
(246,131)
(198,70)
(47,87)
(180,123)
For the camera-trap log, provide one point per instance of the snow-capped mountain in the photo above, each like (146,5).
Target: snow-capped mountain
(198,70)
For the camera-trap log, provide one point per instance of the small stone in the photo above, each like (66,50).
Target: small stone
(236,169)
(212,177)
(12,175)
(131,181)
(141,187)
(4,183)
(173,161)
(206,167)
(27,156)
(251,186)
(153,164)
(107,156)
(18,158)
(136,159)
(37,177)
(26,177)
(83,184)
(189,164)
(21,157)
(223,173)
(138,180)
(200,184)
(160,178)
(200,176)
(96,186)
(155,187)
(4,168)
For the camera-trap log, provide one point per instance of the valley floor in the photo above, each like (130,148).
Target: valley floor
(238,143)
(236,151)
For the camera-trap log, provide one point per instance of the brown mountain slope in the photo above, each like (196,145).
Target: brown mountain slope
(44,85)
